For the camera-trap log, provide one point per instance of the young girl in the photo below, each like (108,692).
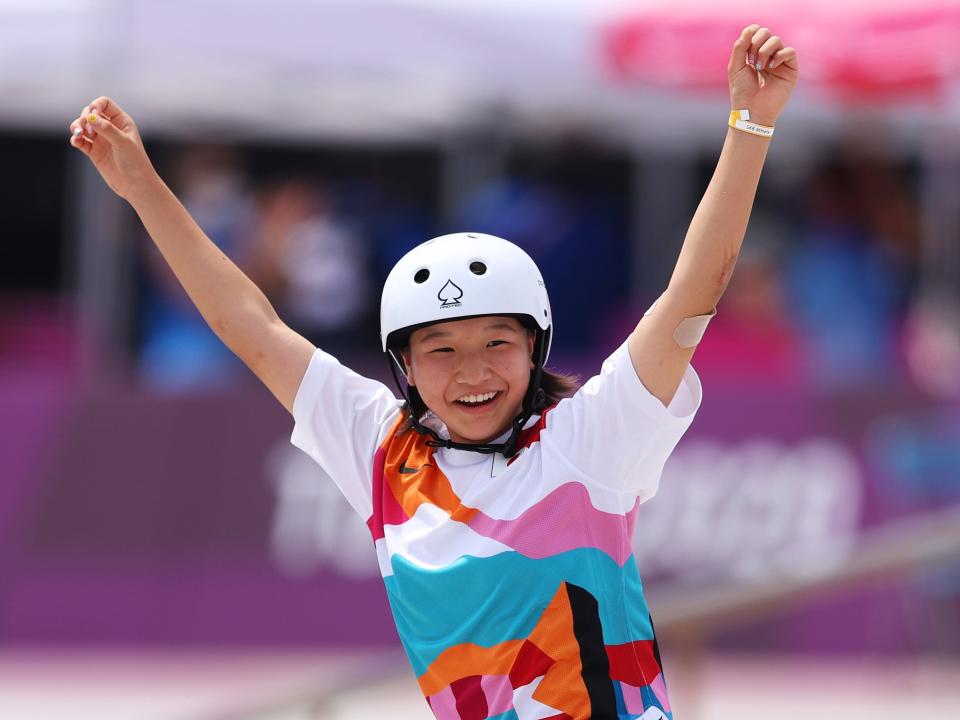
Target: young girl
(501,514)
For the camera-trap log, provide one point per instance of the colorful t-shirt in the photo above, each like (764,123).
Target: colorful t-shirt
(512,583)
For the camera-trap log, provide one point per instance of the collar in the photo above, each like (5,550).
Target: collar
(458,457)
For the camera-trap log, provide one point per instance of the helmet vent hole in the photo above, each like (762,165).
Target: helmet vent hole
(478,268)
(421,276)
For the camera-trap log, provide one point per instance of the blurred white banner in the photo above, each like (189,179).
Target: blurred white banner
(389,70)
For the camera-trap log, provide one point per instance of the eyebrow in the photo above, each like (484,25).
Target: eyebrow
(438,333)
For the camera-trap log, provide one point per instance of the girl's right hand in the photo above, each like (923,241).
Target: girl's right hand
(111,140)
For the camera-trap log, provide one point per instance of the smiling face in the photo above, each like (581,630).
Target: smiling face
(473,373)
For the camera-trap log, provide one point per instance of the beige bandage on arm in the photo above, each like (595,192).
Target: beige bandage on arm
(690,330)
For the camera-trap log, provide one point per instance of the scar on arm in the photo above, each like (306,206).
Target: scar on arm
(727,271)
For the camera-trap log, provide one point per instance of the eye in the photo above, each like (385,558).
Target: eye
(495,343)
(442,350)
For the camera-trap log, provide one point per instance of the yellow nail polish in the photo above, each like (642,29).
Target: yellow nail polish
(92,118)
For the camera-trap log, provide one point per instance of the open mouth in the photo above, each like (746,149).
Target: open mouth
(478,401)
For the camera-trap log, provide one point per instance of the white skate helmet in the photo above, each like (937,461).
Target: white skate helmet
(459,276)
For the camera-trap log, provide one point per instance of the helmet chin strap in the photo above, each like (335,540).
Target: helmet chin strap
(533,402)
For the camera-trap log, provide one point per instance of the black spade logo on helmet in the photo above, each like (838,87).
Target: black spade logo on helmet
(450,295)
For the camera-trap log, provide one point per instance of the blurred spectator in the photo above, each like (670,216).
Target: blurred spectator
(396,222)
(312,263)
(931,341)
(751,339)
(562,211)
(178,352)
(851,269)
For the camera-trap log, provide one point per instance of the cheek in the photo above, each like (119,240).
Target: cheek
(430,375)
(516,369)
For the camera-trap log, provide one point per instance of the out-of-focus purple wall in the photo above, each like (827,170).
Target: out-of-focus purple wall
(189,519)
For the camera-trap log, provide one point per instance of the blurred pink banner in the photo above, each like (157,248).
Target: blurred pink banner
(857,52)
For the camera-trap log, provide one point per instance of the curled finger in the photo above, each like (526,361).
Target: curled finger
(77,136)
(108,109)
(85,122)
(786,56)
(756,42)
(80,141)
(738,56)
(772,45)
(746,35)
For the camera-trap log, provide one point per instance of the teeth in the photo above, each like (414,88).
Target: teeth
(477,398)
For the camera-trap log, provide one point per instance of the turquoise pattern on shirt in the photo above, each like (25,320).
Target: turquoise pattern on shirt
(490,600)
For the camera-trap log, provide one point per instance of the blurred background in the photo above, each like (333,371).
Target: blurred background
(166,553)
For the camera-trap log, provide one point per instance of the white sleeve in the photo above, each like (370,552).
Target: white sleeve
(340,419)
(615,432)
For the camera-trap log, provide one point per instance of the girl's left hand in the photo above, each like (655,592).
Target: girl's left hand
(778,67)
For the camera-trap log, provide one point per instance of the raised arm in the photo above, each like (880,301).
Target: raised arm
(716,232)
(232,305)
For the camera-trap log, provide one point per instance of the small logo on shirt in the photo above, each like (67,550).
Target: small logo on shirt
(404,470)
(449,295)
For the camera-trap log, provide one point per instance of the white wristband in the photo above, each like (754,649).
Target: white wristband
(740,119)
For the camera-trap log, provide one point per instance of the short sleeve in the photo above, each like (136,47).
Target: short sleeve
(617,433)
(340,418)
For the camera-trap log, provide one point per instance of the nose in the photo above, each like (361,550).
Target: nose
(472,370)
